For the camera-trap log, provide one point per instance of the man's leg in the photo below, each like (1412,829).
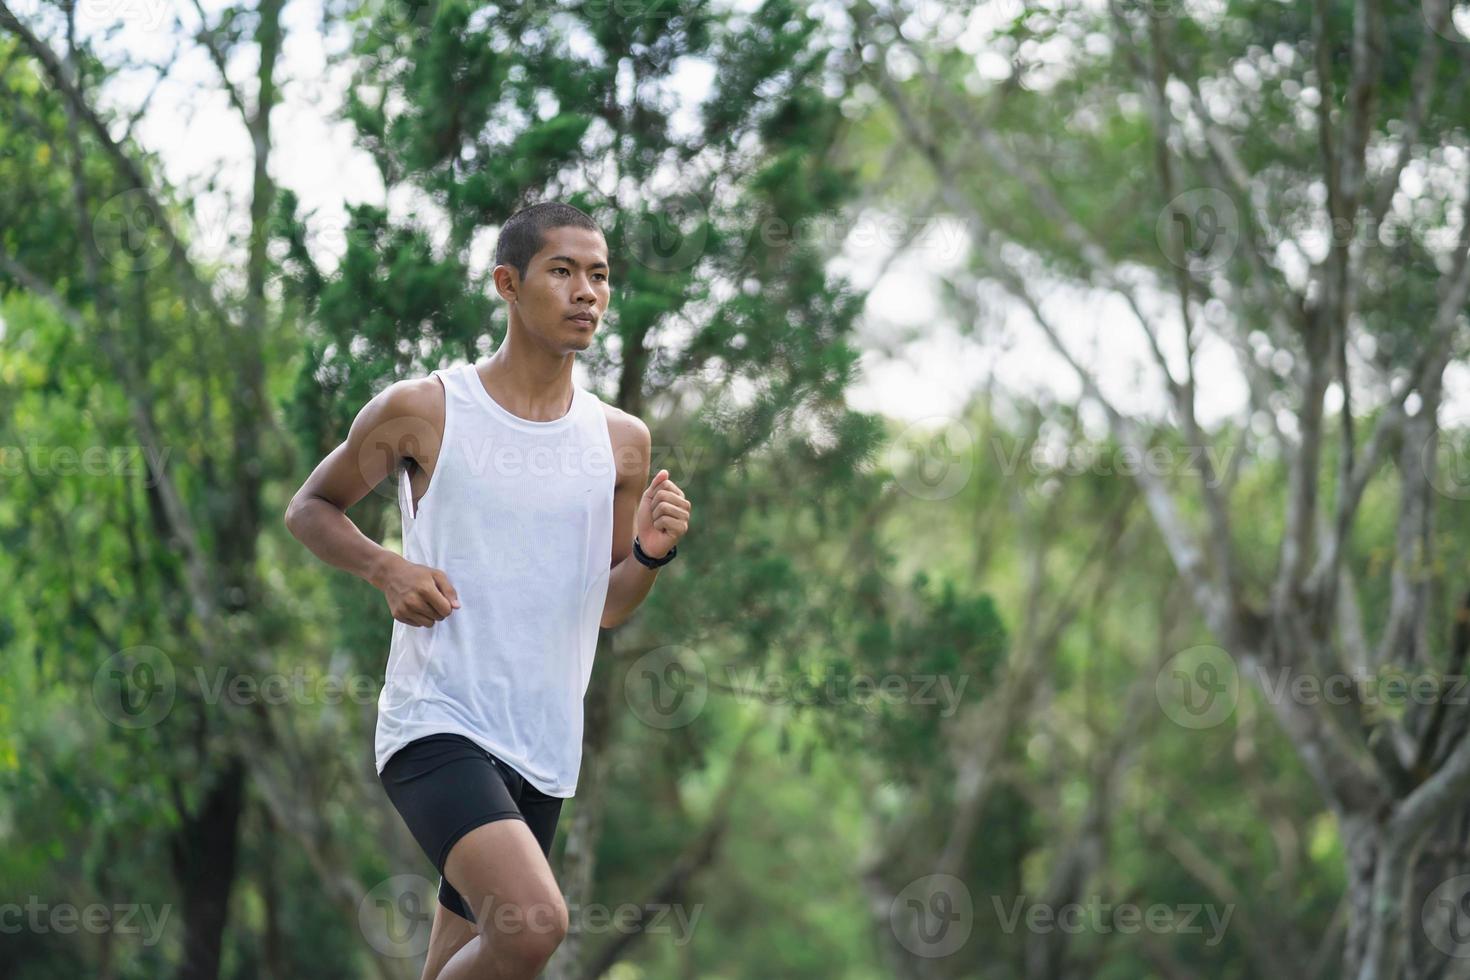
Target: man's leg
(449,933)
(500,871)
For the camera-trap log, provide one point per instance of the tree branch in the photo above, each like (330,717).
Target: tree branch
(209,38)
(201,592)
(128,169)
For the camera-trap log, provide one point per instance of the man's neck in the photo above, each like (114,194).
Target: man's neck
(535,391)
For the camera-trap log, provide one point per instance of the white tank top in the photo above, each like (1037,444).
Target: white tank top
(518,515)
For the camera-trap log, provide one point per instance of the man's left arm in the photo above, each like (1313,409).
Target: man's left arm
(657,515)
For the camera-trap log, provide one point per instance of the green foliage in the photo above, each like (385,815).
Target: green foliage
(812,567)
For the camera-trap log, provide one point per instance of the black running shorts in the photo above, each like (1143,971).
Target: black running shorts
(444,786)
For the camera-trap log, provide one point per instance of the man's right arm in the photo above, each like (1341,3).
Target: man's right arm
(392,427)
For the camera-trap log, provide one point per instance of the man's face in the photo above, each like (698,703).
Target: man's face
(568,278)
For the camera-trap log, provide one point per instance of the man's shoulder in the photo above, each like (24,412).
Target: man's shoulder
(421,398)
(630,443)
(624,427)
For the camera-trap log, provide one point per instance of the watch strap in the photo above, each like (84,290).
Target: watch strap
(644,557)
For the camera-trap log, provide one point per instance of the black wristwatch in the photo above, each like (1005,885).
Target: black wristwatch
(642,555)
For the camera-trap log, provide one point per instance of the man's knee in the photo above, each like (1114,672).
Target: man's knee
(533,933)
(521,935)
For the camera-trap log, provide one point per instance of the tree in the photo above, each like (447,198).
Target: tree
(145,330)
(1303,217)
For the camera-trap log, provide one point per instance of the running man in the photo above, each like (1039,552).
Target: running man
(526,527)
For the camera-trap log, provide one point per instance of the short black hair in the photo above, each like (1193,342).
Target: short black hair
(524,233)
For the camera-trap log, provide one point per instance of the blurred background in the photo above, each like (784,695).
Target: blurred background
(1073,394)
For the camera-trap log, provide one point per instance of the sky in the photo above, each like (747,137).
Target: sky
(919,366)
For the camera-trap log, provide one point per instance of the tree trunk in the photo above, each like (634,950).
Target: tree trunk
(584,823)
(204,851)
(1360,841)
(1437,918)
(1419,902)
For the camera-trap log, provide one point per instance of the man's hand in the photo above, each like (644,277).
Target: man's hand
(417,594)
(663,516)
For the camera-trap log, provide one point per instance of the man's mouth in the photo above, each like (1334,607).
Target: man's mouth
(586,318)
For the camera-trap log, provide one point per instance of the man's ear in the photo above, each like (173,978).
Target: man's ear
(507,282)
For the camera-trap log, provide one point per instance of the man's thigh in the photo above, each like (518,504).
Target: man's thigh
(541,813)
(502,874)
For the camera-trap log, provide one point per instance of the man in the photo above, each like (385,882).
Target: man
(526,527)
